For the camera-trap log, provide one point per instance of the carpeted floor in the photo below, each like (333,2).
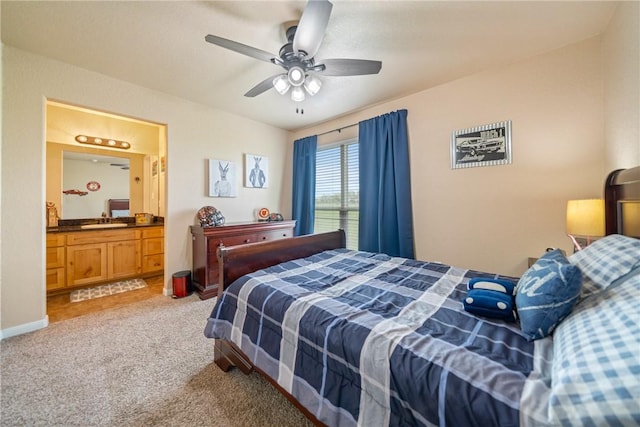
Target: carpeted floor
(145,364)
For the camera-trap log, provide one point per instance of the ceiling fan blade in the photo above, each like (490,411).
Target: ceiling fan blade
(312,27)
(240,48)
(350,67)
(261,87)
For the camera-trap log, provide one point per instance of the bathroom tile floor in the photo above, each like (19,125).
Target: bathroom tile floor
(60,307)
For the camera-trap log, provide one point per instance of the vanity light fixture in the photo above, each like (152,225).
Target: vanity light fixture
(102,142)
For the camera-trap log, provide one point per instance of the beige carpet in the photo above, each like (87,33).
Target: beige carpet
(146,364)
(106,290)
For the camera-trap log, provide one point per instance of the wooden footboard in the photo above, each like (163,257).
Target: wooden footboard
(236,261)
(228,355)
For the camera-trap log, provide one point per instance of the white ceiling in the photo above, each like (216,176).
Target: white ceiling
(160,45)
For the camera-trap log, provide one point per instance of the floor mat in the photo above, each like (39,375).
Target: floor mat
(106,290)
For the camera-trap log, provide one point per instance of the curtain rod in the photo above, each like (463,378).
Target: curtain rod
(338,129)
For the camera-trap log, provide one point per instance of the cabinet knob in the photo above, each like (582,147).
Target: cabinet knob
(247,240)
(264,237)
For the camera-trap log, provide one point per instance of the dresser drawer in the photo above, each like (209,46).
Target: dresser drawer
(234,240)
(274,235)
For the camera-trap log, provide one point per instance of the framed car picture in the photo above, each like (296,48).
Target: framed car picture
(486,145)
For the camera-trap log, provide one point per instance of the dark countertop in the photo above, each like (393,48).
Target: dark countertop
(76,225)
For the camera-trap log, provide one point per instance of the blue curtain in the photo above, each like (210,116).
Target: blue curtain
(304,184)
(386,223)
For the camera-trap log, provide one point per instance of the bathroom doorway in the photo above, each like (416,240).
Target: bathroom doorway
(134,170)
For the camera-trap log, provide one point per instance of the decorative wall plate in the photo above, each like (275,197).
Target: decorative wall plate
(93,186)
(263,214)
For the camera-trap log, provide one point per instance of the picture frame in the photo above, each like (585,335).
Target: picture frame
(256,171)
(222,178)
(485,145)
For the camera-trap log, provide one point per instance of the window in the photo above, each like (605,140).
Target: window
(338,190)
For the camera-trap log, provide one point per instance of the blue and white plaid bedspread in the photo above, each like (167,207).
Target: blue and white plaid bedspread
(371,340)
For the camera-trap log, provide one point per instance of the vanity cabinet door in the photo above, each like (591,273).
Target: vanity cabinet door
(152,255)
(55,279)
(55,261)
(86,264)
(153,250)
(124,259)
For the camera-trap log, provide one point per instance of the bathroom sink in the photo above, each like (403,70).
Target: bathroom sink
(114,225)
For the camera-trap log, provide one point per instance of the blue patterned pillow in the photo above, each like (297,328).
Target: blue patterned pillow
(605,261)
(546,294)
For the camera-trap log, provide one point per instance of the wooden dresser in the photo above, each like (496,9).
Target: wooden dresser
(206,241)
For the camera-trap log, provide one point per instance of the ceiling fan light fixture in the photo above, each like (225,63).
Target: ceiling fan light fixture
(297,55)
(281,84)
(296,76)
(312,85)
(297,94)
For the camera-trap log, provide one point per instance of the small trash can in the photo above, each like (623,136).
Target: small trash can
(181,282)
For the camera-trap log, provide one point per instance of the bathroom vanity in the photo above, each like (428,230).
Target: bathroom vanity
(89,254)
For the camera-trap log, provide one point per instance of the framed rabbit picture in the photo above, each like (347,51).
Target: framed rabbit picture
(256,171)
(222,178)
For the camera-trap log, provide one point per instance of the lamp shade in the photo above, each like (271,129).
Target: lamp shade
(297,94)
(281,84)
(585,217)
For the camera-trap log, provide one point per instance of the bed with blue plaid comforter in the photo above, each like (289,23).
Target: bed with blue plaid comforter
(367,339)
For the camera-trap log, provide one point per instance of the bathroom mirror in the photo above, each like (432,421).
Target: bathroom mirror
(89,181)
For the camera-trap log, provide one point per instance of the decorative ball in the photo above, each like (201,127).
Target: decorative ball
(210,217)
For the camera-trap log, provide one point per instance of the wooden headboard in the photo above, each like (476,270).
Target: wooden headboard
(118,205)
(622,202)
(236,261)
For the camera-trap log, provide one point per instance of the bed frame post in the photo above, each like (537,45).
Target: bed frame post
(226,356)
(621,185)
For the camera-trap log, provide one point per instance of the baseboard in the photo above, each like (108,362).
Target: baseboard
(24,329)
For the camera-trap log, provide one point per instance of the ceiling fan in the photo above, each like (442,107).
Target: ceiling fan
(297,56)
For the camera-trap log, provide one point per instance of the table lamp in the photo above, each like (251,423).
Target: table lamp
(585,218)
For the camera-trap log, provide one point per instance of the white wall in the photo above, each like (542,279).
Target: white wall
(194,133)
(494,218)
(622,87)
(1,139)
